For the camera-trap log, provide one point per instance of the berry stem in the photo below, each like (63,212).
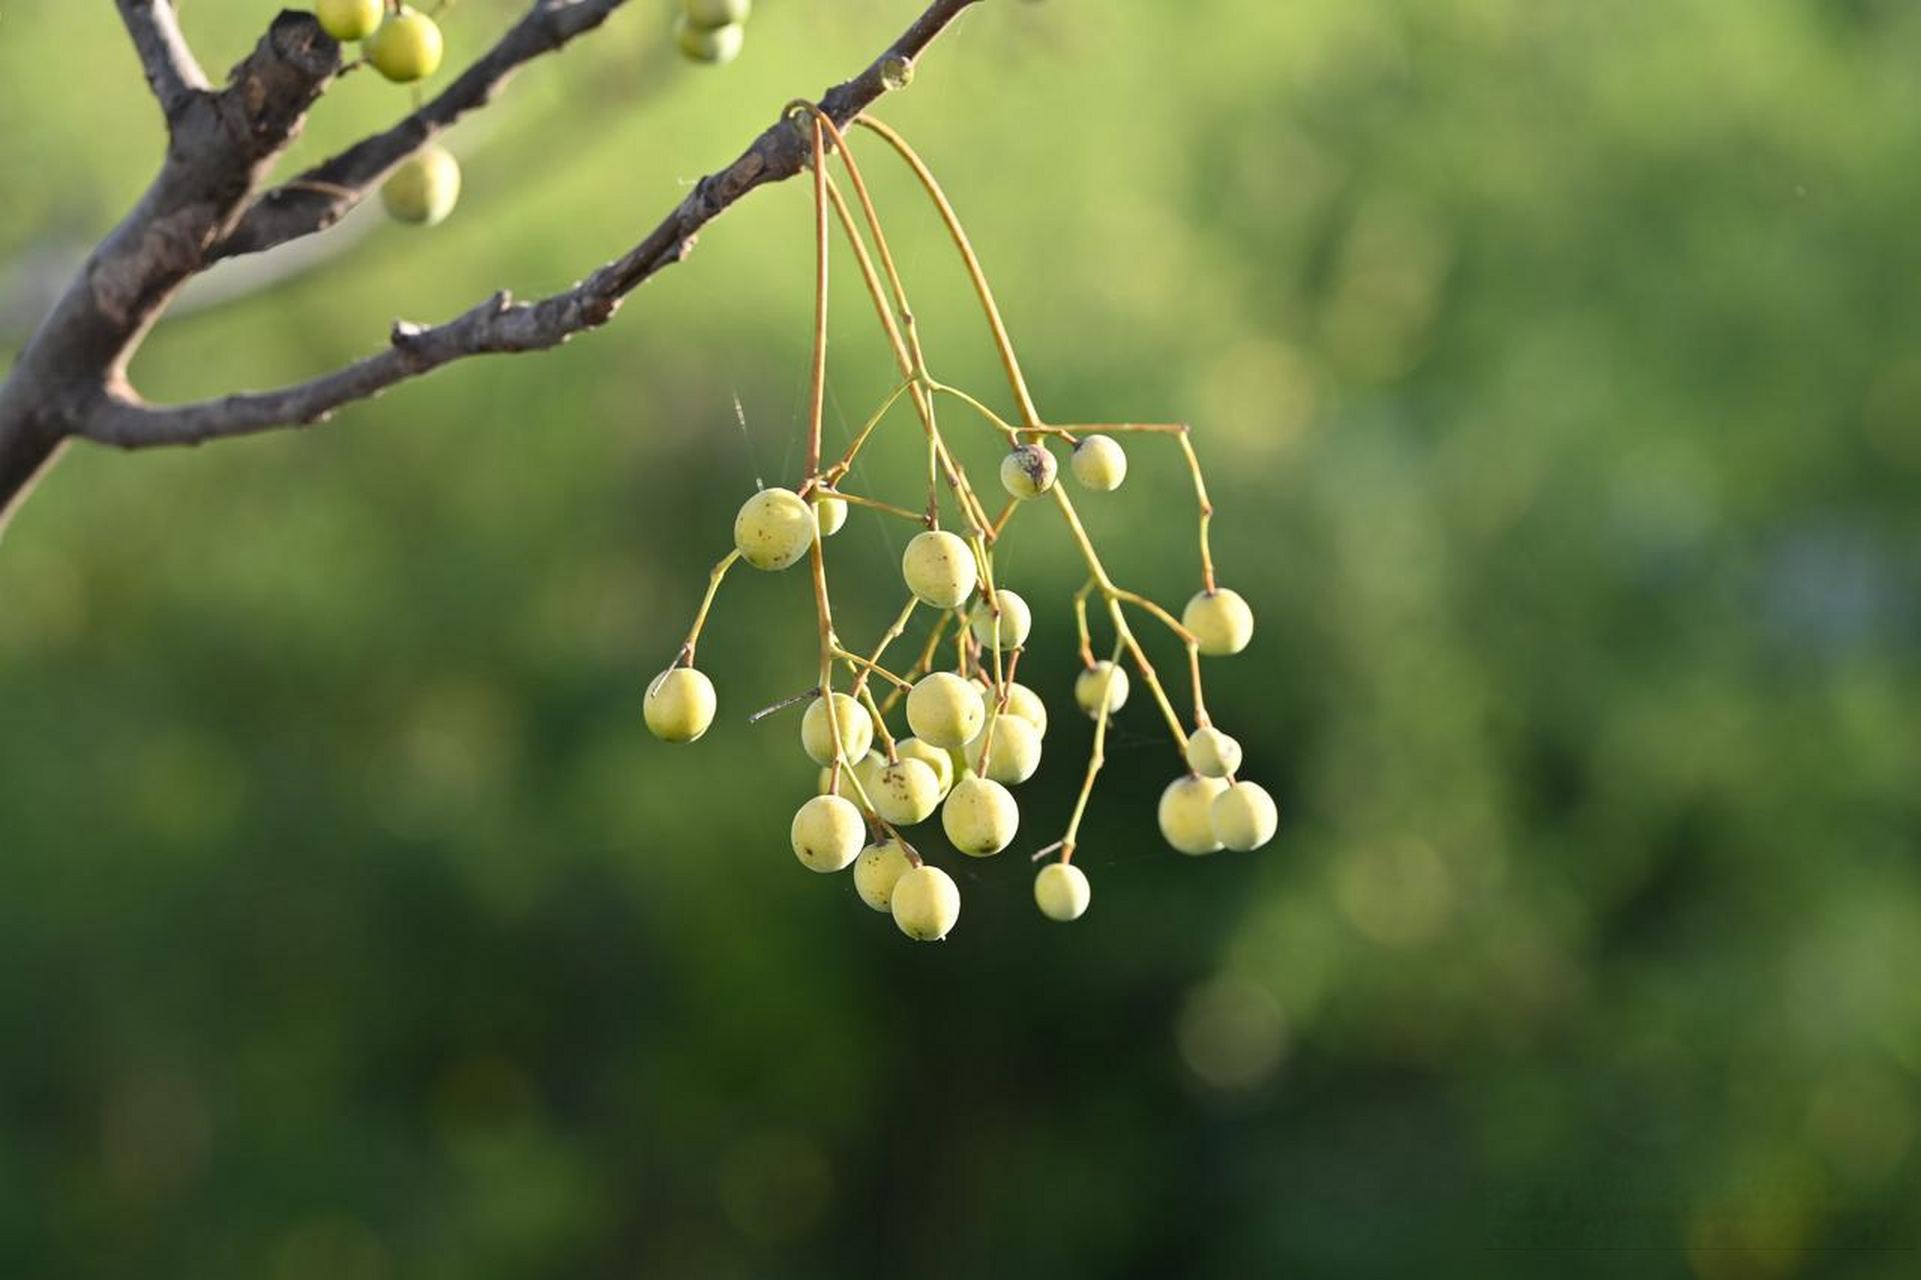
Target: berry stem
(860,500)
(714,577)
(1096,759)
(863,667)
(832,475)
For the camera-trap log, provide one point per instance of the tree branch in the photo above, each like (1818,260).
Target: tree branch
(500,325)
(323,194)
(172,72)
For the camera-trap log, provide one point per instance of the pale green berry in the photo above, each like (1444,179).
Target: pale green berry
(407,46)
(939,568)
(906,792)
(828,833)
(679,705)
(1014,754)
(1025,703)
(349,19)
(980,816)
(817,731)
(774,529)
(1099,463)
(1184,813)
(945,710)
(1061,891)
(1010,629)
(940,761)
(717,13)
(926,903)
(877,870)
(716,46)
(423,188)
(1211,753)
(830,512)
(1102,680)
(1221,622)
(1244,816)
(866,771)
(1028,471)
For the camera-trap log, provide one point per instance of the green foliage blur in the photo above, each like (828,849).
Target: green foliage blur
(1556,368)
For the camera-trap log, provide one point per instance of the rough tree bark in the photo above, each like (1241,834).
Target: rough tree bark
(70,380)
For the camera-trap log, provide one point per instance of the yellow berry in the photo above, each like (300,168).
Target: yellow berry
(774,529)
(1184,814)
(717,13)
(1061,891)
(1244,816)
(879,868)
(423,188)
(1028,471)
(817,731)
(932,756)
(980,816)
(906,792)
(1010,629)
(679,705)
(945,710)
(715,46)
(1211,753)
(1014,754)
(1221,622)
(1099,463)
(348,19)
(830,512)
(1025,703)
(406,46)
(939,568)
(828,833)
(926,903)
(1102,680)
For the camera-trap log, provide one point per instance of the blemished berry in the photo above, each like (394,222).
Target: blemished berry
(817,731)
(1014,754)
(1061,891)
(1010,629)
(1221,622)
(828,833)
(717,13)
(424,188)
(715,46)
(679,705)
(774,529)
(1103,679)
(926,903)
(980,816)
(944,710)
(866,771)
(1029,471)
(407,46)
(1211,753)
(1184,813)
(1244,816)
(830,512)
(876,871)
(939,568)
(1025,703)
(906,792)
(1099,463)
(346,20)
(940,761)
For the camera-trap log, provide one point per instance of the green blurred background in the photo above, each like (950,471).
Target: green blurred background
(1557,372)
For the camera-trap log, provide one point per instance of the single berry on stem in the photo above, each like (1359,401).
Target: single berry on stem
(933,757)
(944,710)
(1244,816)
(1099,463)
(679,705)
(939,568)
(1184,813)
(1211,753)
(346,20)
(774,529)
(1028,471)
(926,903)
(1014,754)
(828,833)
(407,46)
(1010,629)
(423,188)
(906,792)
(1220,620)
(1102,680)
(715,46)
(879,868)
(1025,703)
(1061,891)
(980,816)
(830,512)
(817,731)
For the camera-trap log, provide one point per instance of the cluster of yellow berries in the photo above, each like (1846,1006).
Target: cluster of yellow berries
(974,731)
(712,31)
(404,45)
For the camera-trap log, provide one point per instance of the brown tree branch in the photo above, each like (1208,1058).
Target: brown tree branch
(172,71)
(321,196)
(500,325)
